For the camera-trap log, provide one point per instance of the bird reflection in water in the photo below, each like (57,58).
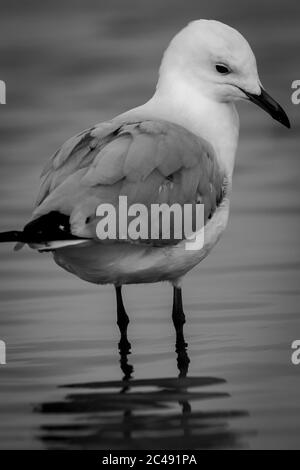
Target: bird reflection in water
(141,414)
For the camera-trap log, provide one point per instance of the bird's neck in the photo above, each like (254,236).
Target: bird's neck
(216,122)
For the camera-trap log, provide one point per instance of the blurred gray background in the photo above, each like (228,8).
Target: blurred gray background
(67,65)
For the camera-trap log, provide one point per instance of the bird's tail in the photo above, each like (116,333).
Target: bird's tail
(14,236)
(48,232)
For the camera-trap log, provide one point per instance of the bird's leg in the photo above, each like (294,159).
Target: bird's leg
(183,359)
(183,362)
(126,368)
(122,321)
(178,318)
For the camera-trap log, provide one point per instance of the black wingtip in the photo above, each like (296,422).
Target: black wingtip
(13,236)
(48,227)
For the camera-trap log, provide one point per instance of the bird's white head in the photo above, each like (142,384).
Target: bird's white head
(218,61)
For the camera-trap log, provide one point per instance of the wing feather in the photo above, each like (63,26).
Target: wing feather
(147,161)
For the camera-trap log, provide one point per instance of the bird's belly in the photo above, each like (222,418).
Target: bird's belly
(125,263)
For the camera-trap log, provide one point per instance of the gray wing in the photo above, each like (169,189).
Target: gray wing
(150,162)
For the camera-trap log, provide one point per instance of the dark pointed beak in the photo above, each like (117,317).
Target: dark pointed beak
(266,102)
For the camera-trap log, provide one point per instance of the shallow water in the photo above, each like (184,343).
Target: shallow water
(64,384)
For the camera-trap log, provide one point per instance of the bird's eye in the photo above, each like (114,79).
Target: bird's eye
(223,69)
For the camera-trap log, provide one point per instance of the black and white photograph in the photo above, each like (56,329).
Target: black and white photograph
(149,228)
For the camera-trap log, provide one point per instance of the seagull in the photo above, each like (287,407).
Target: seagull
(179,147)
